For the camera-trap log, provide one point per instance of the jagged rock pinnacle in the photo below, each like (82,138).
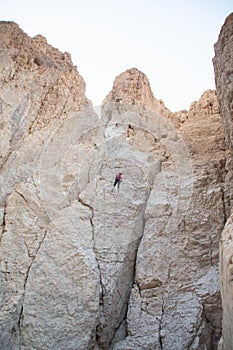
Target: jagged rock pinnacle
(131,86)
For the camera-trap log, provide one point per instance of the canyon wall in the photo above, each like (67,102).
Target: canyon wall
(223,65)
(83,266)
(175,302)
(48,280)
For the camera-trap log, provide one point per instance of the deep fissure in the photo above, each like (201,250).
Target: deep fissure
(160,325)
(32,257)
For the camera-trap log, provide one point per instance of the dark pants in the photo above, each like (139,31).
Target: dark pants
(117,182)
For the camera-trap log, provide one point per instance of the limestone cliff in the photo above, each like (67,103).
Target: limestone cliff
(84,267)
(175,301)
(38,84)
(223,64)
(40,262)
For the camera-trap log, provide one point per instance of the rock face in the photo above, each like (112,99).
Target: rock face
(82,266)
(175,288)
(132,87)
(223,77)
(41,259)
(223,64)
(38,84)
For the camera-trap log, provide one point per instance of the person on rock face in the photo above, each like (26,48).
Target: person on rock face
(117,181)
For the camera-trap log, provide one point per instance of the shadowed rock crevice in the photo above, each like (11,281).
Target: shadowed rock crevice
(33,257)
(4,220)
(160,331)
(113,325)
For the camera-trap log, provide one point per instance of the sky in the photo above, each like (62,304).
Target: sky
(172,42)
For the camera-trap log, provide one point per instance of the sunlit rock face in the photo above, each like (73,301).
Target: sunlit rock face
(42,262)
(175,286)
(82,265)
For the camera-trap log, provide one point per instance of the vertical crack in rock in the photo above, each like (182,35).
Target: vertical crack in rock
(121,325)
(224,204)
(81,201)
(161,335)
(222,182)
(211,250)
(136,251)
(194,335)
(136,245)
(126,302)
(3,221)
(22,196)
(211,327)
(209,342)
(32,257)
(102,287)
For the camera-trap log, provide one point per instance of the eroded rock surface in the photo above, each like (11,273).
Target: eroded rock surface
(43,297)
(223,65)
(175,300)
(82,266)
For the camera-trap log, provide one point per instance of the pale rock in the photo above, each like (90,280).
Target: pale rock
(82,266)
(49,273)
(226,270)
(132,87)
(223,66)
(175,301)
(224,86)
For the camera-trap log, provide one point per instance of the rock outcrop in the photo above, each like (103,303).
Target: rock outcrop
(82,266)
(38,85)
(223,64)
(41,259)
(175,300)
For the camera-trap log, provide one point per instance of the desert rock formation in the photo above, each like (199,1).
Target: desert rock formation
(84,267)
(39,88)
(223,64)
(175,287)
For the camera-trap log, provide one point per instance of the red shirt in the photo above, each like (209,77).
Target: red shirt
(119,177)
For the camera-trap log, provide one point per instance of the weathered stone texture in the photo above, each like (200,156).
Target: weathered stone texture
(175,301)
(38,85)
(84,267)
(223,65)
(132,87)
(42,257)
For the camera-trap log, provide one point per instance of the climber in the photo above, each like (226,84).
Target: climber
(117,181)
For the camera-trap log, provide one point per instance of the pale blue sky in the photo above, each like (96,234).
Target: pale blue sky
(170,41)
